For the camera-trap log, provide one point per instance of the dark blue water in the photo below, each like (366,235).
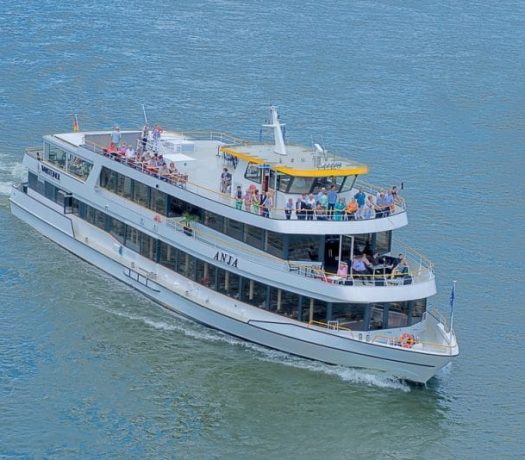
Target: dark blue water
(431,94)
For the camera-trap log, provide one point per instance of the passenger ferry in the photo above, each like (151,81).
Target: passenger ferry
(278,244)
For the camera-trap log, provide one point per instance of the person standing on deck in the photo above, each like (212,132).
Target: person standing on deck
(332,200)
(116,136)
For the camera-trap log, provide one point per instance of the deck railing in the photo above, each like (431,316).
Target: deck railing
(230,201)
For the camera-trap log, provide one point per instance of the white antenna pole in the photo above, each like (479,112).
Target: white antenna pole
(144,112)
(280,147)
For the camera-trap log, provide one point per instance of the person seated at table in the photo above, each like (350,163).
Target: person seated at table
(163,170)
(111,148)
(401,269)
(122,149)
(361,266)
(172,168)
(130,153)
(160,161)
(351,209)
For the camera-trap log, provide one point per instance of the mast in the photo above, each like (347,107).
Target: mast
(276,125)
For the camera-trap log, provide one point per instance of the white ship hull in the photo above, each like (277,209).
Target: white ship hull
(229,315)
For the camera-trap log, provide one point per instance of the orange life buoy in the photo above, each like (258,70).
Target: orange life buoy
(407,340)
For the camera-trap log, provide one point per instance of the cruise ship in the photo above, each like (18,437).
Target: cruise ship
(278,244)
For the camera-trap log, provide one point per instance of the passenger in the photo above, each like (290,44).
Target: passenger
(332,200)
(401,269)
(310,207)
(225,180)
(157,130)
(361,266)
(300,207)
(172,168)
(116,136)
(323,200)
(382,205)
(360,197)
(351,209)
(163,170)
(248,200)
(130,153)
(238,197)
(320,212)
(319,196)
(255,201)
(369,210)
(312,254)
(263,203)
(395,196)
(388,204)
(122,149)
(339,210)
(288,208)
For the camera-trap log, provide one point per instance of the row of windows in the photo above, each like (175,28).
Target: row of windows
(285,246)
(303,308)
(47,189)
(296,185)
(67,161)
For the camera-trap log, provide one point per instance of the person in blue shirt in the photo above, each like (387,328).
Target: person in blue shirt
(116,136)
(360,197)
(332,200)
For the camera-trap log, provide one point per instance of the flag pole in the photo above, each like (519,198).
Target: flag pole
(452,302)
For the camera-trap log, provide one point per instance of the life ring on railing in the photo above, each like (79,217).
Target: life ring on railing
(407,340)
(157,218)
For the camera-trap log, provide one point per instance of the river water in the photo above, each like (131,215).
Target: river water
(430,94)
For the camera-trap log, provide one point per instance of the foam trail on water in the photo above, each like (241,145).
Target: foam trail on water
(14,173)
(262,353)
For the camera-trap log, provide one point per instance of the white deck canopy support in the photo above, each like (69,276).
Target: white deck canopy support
(276,125)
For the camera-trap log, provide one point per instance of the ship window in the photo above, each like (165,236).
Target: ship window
(186,265)
(313,310)
(118,229)
(78,166)
(417,307)
(254,293)
(148,247)
(205,273)
(132,238)
(124,186)
(253,173)
(228,283)
(300,247)
(283,182)
(175,207)
(255,236)
(377,312)
(158,201)
(55,155)
(383,242)
(290,302)
(32,180)
(349,315)
(348,183)
(214,221)
(275,244)
(234,229)
(301,185)
(141,194)
(397,314)
(50,191)
(168,256)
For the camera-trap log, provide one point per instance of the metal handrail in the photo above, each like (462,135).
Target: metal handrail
(391,340)
(226,199)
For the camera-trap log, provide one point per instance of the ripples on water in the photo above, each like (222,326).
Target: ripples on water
(430,94)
